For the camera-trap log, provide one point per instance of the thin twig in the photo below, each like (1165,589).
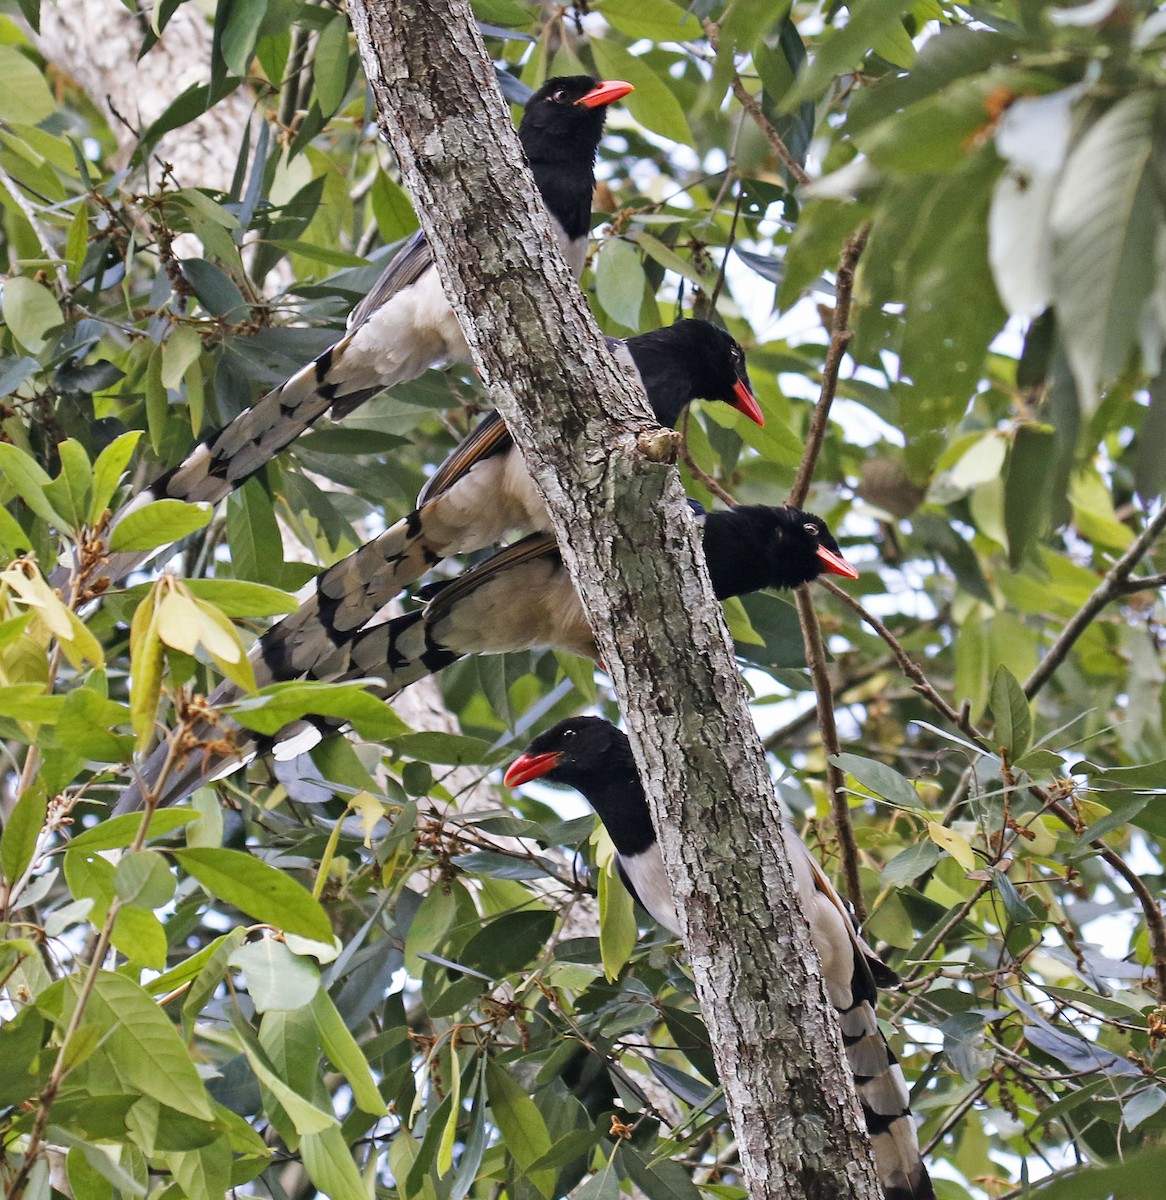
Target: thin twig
(754,109)
(728,246)
(1147,583)
(699,474)
(835,777)
(847,684)
(840,335)
(1109,589)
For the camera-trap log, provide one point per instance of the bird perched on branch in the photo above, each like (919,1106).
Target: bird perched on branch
(521,598)
(595,758)
(404,325)
(482,491)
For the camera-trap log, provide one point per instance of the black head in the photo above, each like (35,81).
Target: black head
(563,120)
(592,756)
(693,360)
(756,546)
(574,752)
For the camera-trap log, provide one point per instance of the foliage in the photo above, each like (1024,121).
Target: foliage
(383,982)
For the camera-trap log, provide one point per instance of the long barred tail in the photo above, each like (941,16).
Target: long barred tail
(882,1091)
(349,595)
(228,457)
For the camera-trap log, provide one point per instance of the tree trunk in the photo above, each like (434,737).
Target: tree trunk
(633,550)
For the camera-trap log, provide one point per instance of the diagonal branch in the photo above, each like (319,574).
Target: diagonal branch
(757,113)
(840,335)
(835,777)
(1116,583)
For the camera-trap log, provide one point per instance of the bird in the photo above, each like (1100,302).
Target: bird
(592,756)
(521,598)
(405,324)
(482,490)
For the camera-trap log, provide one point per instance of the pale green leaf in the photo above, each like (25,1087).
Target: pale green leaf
(158,524)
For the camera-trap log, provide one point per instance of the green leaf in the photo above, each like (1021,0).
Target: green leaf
(879,778)
(617,921)
(108,469)
(330,1165)
(115,833)
(660,20)
(281,703)
(277,979)
(70,492)
(524,1132)
(217,291)
(30,310)
(203,1173)
(449,748)
(1013,717)
(25,98)
(86,726)
(391,209)
(619,282)
(603,1185)
(653,103)
(908,866)
(509,943)
(158,524)
(143,878)
(1139,1176)
(305,1117)
(1103,221)
(93,1161)
(242,28)
(26,478)
(252,530)
(346,1055)
(179,350)
(844,49)
(208,968)
(259,890)
(331,65)
(142,1049)
(1028,489)
(236,598)
(21,832)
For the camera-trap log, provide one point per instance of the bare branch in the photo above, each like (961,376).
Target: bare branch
(840,335)
(835,777)
(1113,585)
(754,109)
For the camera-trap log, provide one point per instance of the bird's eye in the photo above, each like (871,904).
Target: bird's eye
(568,733)
(559,96)
(810,527)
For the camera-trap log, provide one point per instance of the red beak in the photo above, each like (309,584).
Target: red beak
(835,564)
(530,766)
(743,402)
(607,92)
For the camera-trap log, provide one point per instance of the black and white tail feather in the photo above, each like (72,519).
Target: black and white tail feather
(521,598)
(404,325)
(482,491)
(594,757)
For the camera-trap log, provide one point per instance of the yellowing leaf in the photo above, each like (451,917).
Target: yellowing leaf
(370,810)
(218,635)
(957,846)
(25,579)
(177,621)
(146,662)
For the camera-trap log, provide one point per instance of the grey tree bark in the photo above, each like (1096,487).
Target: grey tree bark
(633,551)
